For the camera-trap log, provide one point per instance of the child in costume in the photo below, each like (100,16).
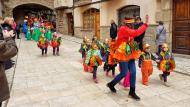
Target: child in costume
(94,59)
(48,33)
(83,47)
(37,31)
(166,64)
(28,34)
(105,53)
(55,43)
(112,63)
(43,44)
(145,63)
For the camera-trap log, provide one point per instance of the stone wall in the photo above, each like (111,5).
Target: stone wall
(165,14)
(61,20)
(80,33)
(104,32)
(11,4)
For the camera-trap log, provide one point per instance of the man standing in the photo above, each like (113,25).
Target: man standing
(140,38)
(113,30)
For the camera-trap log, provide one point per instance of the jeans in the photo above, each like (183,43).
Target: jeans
(94,71)
(124,67)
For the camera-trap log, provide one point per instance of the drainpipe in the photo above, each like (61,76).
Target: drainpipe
(73,19)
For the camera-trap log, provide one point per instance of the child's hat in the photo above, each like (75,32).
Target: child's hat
(145,46)
(129,20)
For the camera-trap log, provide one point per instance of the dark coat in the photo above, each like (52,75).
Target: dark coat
(139,38)
(8,49)
(113,31)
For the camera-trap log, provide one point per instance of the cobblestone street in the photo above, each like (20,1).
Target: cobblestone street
(59,81)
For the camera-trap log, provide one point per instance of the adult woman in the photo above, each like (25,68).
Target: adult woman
(8,49)
(126,34)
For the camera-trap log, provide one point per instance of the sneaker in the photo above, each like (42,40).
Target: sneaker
(96,81)
(111,87)
(146,84)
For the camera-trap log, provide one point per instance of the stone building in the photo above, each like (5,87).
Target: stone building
(92,17)
(19,8)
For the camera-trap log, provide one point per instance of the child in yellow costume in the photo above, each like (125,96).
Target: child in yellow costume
(167,63)
(145,63)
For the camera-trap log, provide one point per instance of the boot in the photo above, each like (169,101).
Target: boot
(111,87)
(133,95)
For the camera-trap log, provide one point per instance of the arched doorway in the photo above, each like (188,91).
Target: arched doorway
(128,11)
(34,10)
(91,21)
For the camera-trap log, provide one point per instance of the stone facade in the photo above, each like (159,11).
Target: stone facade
(79,32)
(11,4)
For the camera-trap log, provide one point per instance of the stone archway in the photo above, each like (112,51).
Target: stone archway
(128,11)
(11,4)
(32,10)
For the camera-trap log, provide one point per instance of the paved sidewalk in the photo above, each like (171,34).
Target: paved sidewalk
(182,61)
(59,81)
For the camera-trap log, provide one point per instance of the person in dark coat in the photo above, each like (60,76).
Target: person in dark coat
(8,49)
(18,30)
(113,30)
(139,39)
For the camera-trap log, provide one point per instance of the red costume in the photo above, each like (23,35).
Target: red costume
(125,35)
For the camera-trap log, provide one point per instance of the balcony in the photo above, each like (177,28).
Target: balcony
(63,3)
(82,2)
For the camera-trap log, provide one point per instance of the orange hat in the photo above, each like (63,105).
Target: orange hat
(129,20)
(145,46)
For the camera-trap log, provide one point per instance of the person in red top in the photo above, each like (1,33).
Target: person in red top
(126,53)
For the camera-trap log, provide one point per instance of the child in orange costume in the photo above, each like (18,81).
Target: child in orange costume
(145,63)
(166,64)
(111,61)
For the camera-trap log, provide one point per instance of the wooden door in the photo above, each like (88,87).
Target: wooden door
(97,25)
(70,24)
(181,27)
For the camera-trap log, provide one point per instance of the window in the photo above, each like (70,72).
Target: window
(89,19)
